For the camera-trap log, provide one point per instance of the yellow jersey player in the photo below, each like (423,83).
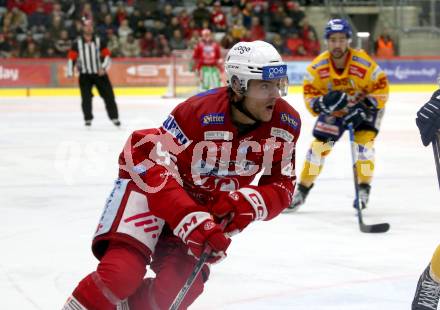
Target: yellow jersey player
(342,86)
(428,288)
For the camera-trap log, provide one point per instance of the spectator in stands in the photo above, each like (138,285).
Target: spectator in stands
(171,27)
(103,27)
(135,17)
(234,16)
(113,43)
(257,32)
(195,38)
(130,48)
(312,45)
(38,20)
(227,41)
(5,47)
(123,31)
(63,44)
(148,45)
(177,42)
(247,15)
(49,53)
(277,17)
(238,31)
(15,47)
(145,5)
(166,15)
(218,18)
(279,44)
(293,10)
(102,12)
(158,28)
(28,39)
(184,22)
(140,30)
(305,28)
(384,46)
(56,27)
(19,21)
(31,51)
(288,27)
(57,12)
(121,13)
(200,14)
(162,47)
(295,45)
(75,29)
(47,43)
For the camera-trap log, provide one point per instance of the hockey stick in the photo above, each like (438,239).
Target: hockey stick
(436,149)
(192,277)
(374,228)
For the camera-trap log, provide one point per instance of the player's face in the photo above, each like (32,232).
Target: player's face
(337,45)
(260,98)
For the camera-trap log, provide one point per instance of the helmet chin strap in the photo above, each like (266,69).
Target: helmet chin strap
(239,105)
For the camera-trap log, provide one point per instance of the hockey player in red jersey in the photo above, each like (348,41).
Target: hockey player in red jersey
(177,182)
(207,60)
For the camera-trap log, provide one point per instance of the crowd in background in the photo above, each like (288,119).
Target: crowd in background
(145,28)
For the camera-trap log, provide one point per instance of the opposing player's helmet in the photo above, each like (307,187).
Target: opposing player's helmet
(337,25)
(257,60)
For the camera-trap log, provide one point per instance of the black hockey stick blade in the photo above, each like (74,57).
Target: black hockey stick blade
(373,228)
(436,149)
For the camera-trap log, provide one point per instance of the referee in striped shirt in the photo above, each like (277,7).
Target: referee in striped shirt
(92,59)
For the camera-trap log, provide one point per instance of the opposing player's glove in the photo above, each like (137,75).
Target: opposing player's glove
(356,115)
(428,118)
(197,229)
(331,102)
(242,206)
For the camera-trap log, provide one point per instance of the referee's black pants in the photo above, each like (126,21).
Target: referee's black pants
(105,90)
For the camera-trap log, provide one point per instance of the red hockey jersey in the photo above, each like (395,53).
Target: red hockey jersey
(198,153)
(206,54)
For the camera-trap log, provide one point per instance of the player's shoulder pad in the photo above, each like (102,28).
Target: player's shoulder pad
(320,61)
(286,122)
(187,119)
(361,57)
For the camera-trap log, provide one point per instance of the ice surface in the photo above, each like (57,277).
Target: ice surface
(56,176)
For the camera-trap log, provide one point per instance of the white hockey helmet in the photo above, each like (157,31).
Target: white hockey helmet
(257,60)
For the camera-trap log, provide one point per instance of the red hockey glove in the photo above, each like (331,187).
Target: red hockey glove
(198,229)
(243,206)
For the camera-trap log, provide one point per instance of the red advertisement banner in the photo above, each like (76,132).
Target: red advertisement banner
(53,73)
(24,74)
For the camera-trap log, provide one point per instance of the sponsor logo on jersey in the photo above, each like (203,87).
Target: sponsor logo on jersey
(289,120)
(274,72)
(308,77)
(213,119)
(171,126)
(357,71)
(320,63)
(361,61)
(218,135)
(324,73)
(376,73)
(281,133)
(327,128)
